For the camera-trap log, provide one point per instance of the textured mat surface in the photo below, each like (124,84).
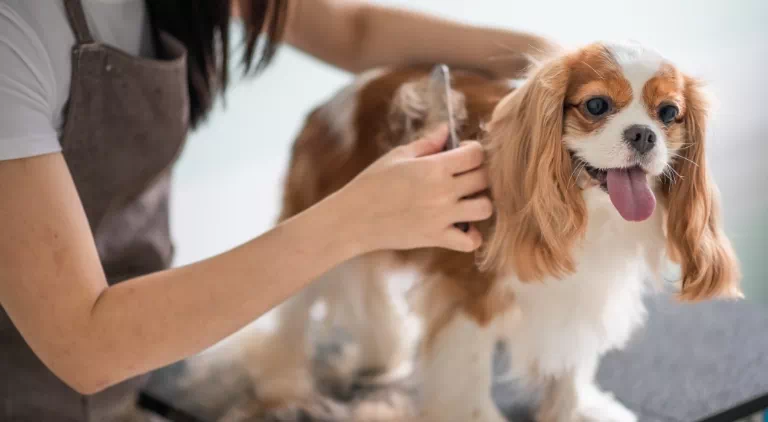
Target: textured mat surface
(690,362)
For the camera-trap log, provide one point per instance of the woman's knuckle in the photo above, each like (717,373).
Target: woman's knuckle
(397,152)
(486,207)
(473,146)
(485,178)
(478,153)
(475,240)
(439,169)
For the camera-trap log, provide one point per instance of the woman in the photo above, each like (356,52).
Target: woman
(97,97)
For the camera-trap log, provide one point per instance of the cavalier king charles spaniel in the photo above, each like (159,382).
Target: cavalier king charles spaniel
(598,173)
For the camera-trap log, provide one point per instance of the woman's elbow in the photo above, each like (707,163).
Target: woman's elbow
(84,374)
(90,381)
(90,385)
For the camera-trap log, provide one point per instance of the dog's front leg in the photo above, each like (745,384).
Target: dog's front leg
(575,397)
(457,364)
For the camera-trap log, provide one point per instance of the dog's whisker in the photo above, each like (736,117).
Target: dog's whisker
(579,168)
(580,171)
(674,172)
(674,154)
(575,169)
(665,173)
(669,177)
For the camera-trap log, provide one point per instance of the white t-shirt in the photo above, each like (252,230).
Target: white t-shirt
(36,43)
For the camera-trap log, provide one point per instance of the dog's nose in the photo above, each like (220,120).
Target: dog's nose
(641,138)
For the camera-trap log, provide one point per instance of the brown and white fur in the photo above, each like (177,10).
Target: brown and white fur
(562,274)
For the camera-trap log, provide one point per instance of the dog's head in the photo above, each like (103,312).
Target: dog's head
(620,120)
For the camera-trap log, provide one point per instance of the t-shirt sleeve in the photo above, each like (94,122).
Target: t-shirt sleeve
(27,91)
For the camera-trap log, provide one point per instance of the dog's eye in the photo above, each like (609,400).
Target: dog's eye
(668,113)
(597,106)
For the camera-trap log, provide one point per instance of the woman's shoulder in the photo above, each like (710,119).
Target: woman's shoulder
(28,82)
(39,34)
(37,42)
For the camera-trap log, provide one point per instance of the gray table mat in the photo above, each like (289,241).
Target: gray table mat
(689,362)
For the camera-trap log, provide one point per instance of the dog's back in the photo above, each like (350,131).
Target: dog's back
(378,111)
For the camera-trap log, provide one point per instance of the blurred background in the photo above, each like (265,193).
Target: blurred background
(227,184)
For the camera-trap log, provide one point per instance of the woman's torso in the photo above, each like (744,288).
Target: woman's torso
(120,121)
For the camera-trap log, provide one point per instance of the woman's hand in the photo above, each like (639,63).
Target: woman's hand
(412,196)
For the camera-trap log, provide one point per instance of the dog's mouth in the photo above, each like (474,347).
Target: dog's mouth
(600,176)
(628,188)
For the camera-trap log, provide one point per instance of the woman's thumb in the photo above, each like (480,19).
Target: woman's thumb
(431,143)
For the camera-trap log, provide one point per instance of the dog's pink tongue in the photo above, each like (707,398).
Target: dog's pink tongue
(631,194)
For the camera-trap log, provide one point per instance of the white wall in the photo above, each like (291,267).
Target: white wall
(227,183)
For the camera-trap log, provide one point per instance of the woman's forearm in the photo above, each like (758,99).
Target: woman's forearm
(402,36)
(357,36)
(148,322)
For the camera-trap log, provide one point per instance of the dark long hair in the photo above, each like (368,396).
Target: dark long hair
(203,27)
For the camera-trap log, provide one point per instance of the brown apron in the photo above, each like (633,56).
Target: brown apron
(126,122)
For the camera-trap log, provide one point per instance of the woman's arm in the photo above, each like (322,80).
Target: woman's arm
(92,336)
(356,36)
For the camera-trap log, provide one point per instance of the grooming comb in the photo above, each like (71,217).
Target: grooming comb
(442,110)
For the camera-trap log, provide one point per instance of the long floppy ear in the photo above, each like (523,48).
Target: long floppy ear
(695,236)
(539,217)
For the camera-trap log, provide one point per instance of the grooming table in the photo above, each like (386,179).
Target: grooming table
(690,363)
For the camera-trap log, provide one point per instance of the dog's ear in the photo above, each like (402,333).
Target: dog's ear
(695,235)
(539,215)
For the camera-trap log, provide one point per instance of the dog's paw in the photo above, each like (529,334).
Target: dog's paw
(460,411)
(317,408)
(599,406)
(287,386)
(384,404)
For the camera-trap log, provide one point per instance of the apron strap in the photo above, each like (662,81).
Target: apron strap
(78,22)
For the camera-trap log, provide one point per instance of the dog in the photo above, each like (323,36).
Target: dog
(599,178)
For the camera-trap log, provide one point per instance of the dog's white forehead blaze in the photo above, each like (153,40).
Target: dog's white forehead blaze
(638,64)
